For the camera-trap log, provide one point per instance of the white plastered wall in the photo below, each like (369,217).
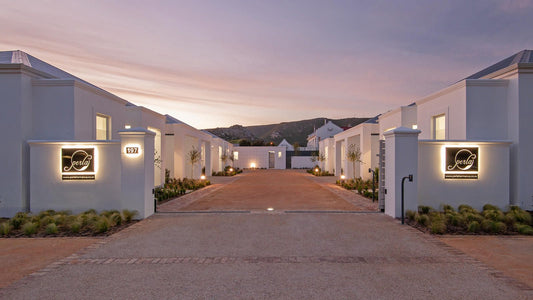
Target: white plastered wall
(491,187)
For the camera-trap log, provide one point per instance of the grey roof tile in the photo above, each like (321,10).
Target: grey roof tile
(524,56)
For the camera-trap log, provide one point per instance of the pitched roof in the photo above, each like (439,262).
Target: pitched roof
(524,56)
(21,57)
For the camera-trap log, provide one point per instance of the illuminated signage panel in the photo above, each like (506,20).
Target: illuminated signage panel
(132,150)
(461,162)
(78,163)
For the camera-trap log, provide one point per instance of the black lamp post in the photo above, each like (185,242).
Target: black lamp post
(373,183)
(410,177)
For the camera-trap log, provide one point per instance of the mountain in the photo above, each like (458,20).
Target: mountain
(293,132)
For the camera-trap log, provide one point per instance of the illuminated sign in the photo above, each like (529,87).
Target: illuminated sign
(77,163)
(132,150)
(461,162)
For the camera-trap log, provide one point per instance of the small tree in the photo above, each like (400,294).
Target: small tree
(353,154)
(296,148)
(194,157)
(224,158)
(232,158)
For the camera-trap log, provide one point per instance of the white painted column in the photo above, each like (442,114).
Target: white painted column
(137,170)
(401,147)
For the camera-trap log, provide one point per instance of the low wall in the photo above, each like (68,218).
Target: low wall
(48,190)
(491,185)
(302,162)
(258,157)
(100,175)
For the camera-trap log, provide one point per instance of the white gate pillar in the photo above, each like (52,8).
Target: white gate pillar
(401,146)
(137,155)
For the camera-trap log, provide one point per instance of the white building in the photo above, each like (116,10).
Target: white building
(329,129)
(46,110)
(259,157)
(365,137)
(287,145)
(486,116)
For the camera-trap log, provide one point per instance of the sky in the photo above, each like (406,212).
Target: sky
(225,62)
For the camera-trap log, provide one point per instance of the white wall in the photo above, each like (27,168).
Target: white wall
(49,191)
(452,103)
(16,123)
(491,187)
(258,155)
(302,162)
(362,137)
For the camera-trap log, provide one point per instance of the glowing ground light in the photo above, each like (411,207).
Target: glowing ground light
(343,177)
(202,177)
(270,209)
(252,165)
(316,170)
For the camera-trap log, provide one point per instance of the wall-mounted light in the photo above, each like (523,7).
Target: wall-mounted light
(127,126)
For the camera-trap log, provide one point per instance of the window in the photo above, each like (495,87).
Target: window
(235,155)
(103,127)
(439,127)
(279,154)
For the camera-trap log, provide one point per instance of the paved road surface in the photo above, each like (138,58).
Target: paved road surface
(261,255)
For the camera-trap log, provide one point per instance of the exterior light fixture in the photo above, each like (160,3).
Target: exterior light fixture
(202,177)
(316,170)
(343,177)
(270,209)
(127,126)
(252,165)
(231,169)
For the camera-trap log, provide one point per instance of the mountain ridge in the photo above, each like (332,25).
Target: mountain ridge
(293,132)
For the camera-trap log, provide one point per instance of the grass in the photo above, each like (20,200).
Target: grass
(467,220)
(64,223)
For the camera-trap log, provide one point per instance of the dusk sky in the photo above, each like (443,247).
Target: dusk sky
(219,63)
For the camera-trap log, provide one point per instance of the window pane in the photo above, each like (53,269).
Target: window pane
(440,127)
(101,127)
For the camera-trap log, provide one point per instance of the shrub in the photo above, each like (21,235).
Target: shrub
(438,227)
(75,227)
(490,207)
(470,217)
(102,225)
(492,226)
(495,215)
(422,209)
(51,228)
(474,227)
(447,208)
(463,208)
(422,219)
(90,212)
(19,219)
(128,215)
(519,215)
(116,219)
(524,229)
(455,219)
(5,229)
(29,228)
(410,215)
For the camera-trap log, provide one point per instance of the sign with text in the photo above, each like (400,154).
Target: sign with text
(461,162)
(77,164)
(132,150)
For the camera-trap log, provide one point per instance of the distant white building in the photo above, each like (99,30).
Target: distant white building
(287,145)
(328,130)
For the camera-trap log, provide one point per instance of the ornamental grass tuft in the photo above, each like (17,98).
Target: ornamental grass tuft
(29,228)
(51,228)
